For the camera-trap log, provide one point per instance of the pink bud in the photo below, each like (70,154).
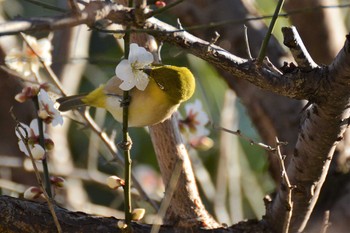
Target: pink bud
(160,4)
(32,193)
(57,181)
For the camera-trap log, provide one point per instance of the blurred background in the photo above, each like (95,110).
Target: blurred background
(233,174)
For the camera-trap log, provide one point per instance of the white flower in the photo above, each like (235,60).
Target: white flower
(26,61)
(193,126)
(47,110)
(31,136)
(130,70)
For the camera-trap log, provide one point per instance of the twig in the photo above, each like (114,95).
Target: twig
(293,41)
(286,187)
(64,21)
(126,142)
(251,141)
(263,48)
(325,223)
(169,191)
(36,171)
(247,42)
(42,144)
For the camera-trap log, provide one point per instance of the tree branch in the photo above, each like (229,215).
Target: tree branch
(25,216)
(322,128)
(186,207)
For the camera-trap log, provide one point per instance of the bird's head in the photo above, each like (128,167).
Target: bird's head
(177,82)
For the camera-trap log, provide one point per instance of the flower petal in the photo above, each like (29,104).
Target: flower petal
(124,70)
(22,147)
(141,80)
(38,152)
(127,85)
(139,56)
(46,104)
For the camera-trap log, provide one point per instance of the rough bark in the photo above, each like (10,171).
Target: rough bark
(18,215)
(185,208)
(322,129)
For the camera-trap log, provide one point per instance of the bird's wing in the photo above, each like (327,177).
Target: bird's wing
(70,102)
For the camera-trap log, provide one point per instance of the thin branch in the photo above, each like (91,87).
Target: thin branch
(169,191)
(251,141)
(325,223)
(126,143)
(36,171)
(247,42)
(293,41)
(53,23)
(263,49)
(287,188)
(42,144)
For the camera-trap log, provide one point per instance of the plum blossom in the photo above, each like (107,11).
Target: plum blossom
(193,126)
(26,61)
(32,193)
(30,135)
(57,181)
(27,93)
(47,110)
(130,70)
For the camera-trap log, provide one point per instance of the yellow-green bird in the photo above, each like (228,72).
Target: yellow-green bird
(168,87)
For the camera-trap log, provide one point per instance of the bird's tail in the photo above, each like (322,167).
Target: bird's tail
(70,102)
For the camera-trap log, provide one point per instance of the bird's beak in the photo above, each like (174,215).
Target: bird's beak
(147,70)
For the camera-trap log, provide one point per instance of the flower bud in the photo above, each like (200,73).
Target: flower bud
(121,224)
(38,152)
(49,144)
(32,193)
(26,94)
(160,4)
(202,143)
(115,182)
(57,181)
(138,213)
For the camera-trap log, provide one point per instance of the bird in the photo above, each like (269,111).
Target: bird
(168,87)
